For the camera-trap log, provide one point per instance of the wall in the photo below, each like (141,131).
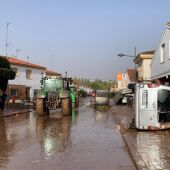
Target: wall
(124,81)
(34,82)
(161,69)
(122,84)
(140,70)
(146,69)
(20,89)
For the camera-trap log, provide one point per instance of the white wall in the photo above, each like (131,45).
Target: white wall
(21,79)
(146,69)
(161,69)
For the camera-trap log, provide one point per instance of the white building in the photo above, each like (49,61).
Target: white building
(160,65)
(27,80)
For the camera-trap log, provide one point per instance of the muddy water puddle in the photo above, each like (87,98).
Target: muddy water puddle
(88,139)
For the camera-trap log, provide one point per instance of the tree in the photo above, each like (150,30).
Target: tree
(6,73)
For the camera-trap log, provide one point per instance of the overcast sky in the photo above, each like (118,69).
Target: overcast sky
(82,37)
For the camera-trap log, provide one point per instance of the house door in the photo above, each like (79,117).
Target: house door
(28,93)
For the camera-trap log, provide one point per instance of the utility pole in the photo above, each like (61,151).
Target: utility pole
(7,38)
(135,64)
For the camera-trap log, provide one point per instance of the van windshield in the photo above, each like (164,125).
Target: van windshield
(164,100)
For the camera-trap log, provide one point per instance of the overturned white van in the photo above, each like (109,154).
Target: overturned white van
(152,106)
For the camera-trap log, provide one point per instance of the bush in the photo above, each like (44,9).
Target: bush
(112,94)
(6,73)
(82,93)
(5,69)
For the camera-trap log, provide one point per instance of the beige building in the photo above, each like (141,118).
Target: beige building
(143,61)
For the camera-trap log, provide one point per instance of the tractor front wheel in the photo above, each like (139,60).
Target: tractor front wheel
(66,106)
(77,100)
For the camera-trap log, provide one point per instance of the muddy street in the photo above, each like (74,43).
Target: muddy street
(88,139)
(150,149)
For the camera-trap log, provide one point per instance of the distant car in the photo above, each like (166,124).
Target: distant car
(102,97)
(93,94)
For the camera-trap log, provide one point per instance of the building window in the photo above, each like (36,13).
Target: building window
(162,59)
(28,74)
(15,70)
(124,76)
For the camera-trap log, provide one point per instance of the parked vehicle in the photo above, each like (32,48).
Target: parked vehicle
(123,96)
(101,97)
(93,94)
(152,108)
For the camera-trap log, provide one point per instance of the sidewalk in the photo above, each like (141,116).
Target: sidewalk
(150,149)
(9,111)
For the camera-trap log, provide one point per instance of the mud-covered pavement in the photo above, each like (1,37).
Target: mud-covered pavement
(88,139)
(150,149)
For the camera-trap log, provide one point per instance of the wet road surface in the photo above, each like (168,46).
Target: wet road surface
(150,149)
(87,140)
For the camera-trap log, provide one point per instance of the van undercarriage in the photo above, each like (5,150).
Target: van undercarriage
(164,117)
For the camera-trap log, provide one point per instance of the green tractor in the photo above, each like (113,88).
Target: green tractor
(55,92)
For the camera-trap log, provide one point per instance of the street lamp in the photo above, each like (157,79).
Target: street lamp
(125,55)
(132,56)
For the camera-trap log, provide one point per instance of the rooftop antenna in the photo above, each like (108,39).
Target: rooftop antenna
(17,52)
(28,59)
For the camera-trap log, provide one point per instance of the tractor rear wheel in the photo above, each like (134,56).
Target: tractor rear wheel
(40,106)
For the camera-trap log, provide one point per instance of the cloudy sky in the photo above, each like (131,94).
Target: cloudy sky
(82,37)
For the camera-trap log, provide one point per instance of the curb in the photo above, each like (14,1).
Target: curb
(134,158)
(126,143)
(15,113)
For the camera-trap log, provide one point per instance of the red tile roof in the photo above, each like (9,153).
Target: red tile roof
(16,61)
(19,62)
(52,73)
